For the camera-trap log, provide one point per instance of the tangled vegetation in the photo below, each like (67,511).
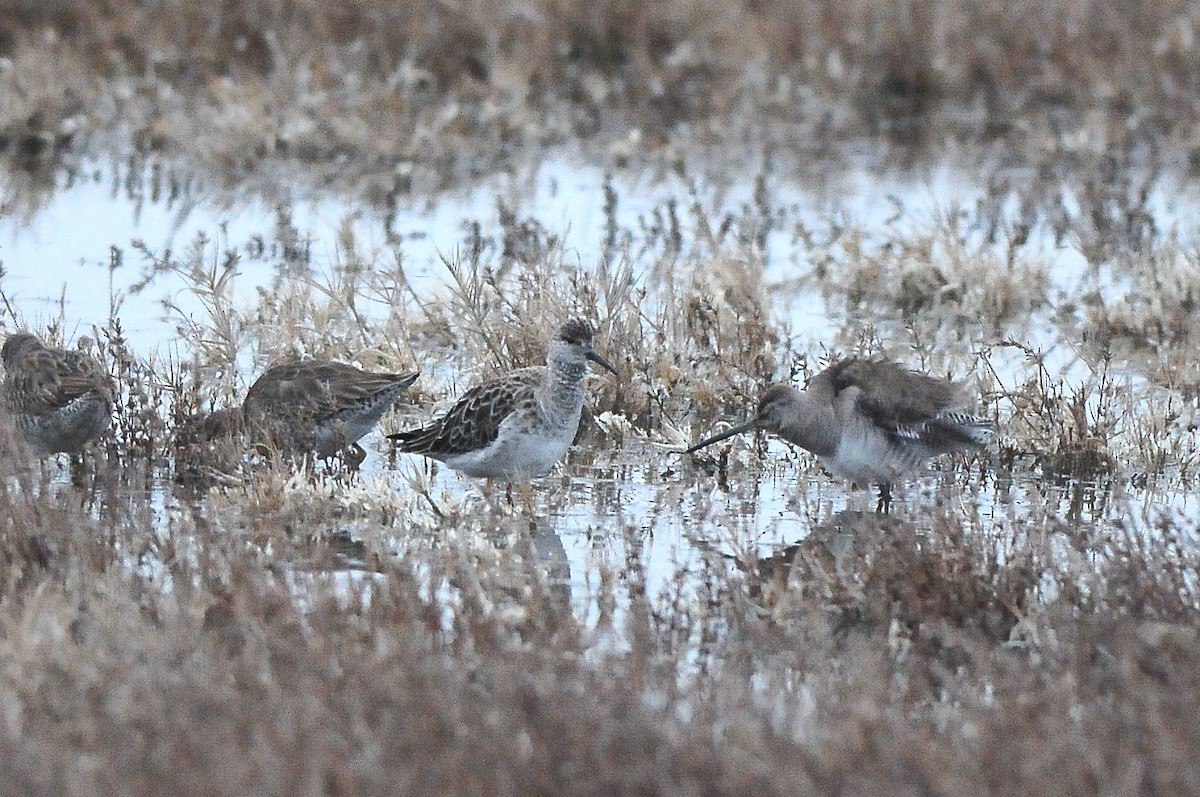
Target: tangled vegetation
(179,616)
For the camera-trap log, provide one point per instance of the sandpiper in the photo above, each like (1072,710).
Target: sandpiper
(869,421)
(59,400)
(315,405)
(516,427)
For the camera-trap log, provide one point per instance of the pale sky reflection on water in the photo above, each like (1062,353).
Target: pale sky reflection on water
(64,250)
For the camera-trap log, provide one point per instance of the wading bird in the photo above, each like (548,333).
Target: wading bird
(317,406)
(59,400)
(515,427)
(869,421)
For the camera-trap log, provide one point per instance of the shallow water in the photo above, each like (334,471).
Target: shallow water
(78,244)
(638,503)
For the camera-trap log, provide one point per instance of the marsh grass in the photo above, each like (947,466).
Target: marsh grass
(1026,626)
(310,633)
(689,309)
(405,100)
(450,665)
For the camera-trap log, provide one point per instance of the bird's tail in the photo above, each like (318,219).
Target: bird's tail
(963,430)
(415,441)
(950,431)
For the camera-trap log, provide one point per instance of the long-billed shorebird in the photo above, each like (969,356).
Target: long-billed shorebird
(515,427)
(869,421)
(316,406)
(59,400)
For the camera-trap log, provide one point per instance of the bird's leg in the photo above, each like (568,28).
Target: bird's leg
(488,488)
(89,488)
(527,499)
(885,498)
(353,456)
(78,469)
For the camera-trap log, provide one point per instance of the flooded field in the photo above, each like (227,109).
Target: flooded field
(145,256)
(184,613)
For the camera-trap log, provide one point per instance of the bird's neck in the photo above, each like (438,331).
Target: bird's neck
(562,387)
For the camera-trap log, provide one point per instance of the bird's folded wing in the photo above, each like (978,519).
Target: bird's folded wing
(891,395)
(474,421)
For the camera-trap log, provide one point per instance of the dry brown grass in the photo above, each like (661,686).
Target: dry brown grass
(408,96)
(221,647)
(321,633)
(936,664)
(689,311)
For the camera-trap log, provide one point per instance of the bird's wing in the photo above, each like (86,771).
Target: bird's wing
(892,396)
(474,421)
(311,390)
(50,379)
(288,390)
(912,408)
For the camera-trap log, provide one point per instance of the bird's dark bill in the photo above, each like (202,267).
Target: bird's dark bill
(596,358)
(745,427)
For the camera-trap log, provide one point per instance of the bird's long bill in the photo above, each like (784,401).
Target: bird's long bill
(744,427)
(596,358)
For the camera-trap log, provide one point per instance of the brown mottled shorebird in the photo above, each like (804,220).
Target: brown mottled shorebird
(869,421)
(515,427)
(59,400)
(315,405)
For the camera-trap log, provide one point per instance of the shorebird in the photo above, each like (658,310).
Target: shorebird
(313,405)
(516,427)
(58,399)
(869,421)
